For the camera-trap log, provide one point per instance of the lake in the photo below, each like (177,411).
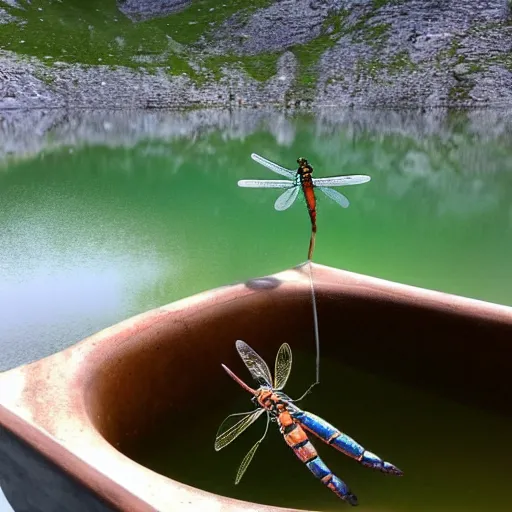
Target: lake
(107,214)
(104,215)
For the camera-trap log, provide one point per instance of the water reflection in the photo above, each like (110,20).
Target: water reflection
(453,138)
(49,282)
(107,214)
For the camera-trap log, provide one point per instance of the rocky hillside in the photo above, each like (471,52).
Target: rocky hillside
(176,53)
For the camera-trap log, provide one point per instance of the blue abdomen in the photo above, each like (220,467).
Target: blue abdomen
(318,468)
(315,424)
(329,434)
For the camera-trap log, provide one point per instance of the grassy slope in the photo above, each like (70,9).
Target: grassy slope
(96,32)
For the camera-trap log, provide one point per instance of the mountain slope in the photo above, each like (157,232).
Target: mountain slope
(171,53)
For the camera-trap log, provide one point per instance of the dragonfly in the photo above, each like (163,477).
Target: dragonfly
(294,423)
(301,178)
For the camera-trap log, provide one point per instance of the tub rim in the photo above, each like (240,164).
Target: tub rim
(62,440)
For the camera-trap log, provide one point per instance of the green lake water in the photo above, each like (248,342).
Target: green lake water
(105,215)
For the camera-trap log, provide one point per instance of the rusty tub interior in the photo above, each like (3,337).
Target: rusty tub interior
(420,378)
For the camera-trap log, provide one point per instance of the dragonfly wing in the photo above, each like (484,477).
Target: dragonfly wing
(286,199)
(265,183)
(250,454)
(273,167)
(283,366)
(341,181)
(336,196)
(255,364)
(226,433)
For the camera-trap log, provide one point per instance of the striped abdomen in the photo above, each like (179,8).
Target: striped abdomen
(297,439)
(345,444)
(309,195)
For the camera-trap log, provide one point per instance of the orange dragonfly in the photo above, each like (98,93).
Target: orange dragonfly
(294,423)
(301,178)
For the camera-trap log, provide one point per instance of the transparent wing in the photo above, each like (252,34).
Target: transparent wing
(341,181)
(265,183)
(226,433)
(286,199)
(249,456)
(273,167)
(336,196)
(283,366)
(255,364)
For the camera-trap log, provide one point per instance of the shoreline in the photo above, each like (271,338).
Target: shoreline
(29,132)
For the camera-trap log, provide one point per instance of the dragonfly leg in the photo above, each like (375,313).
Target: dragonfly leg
(298,441)
(304,395)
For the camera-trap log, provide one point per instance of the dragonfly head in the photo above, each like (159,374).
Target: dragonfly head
(302,161)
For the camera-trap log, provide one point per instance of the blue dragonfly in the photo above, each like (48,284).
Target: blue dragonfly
(293,423)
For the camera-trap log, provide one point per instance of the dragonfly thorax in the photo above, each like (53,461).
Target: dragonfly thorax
(270,401)
(305,170)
